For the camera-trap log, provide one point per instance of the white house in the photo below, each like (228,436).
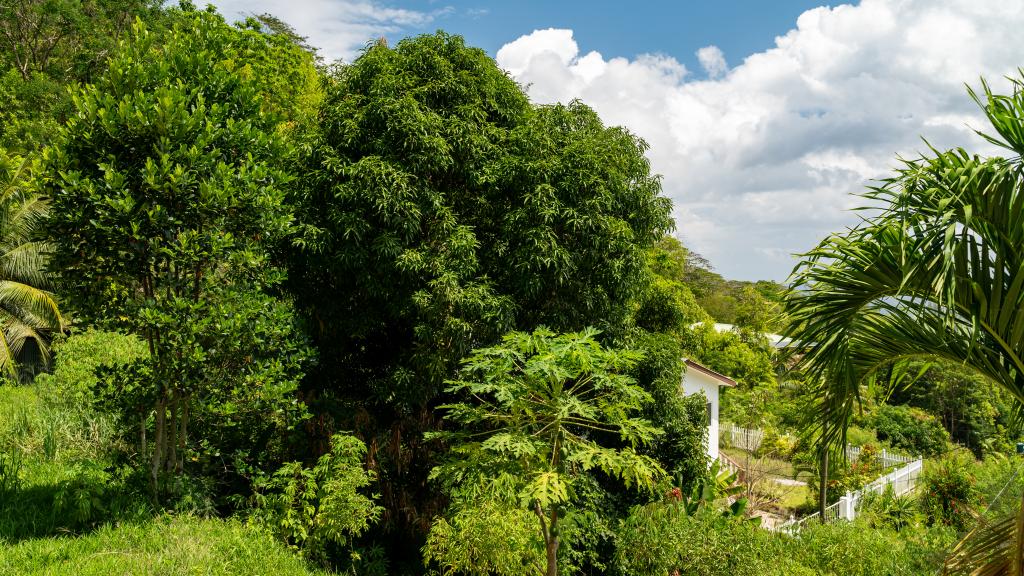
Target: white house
(699,378)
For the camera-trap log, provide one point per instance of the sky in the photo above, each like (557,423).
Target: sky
(765,119)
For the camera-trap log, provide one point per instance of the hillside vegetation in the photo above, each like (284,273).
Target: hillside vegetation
(264,314)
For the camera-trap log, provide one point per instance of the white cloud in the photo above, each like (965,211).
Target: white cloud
(339,28)
(760,161)
(712,60)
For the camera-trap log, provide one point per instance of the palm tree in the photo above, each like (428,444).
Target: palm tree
(28,309)
(934,270)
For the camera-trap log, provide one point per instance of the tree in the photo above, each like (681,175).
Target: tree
(937,272)
(28,309)
(47,46)
(167,202)
(536,412)
(439,210)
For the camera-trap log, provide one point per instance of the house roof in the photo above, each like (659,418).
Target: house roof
(722,378)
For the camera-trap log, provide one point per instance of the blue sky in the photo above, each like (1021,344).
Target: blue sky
(738,27)
(763,117)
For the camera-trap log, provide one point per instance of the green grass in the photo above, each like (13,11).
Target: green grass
(793,497)
(63,512)
(163,545)
(766,464)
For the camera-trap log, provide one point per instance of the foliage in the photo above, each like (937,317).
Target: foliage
(658,540)
(322,508)
(891,510)
(682,448)
(77,358)
(28,308)
(540,409)
(976,412)
(662,538)
(948,490)
(741,355)
(166,204)
(708,493)
(668,306)
(485,537)
(439,210)
(164,545)
(911,429)
(934,273)
(56,475)
(47,46)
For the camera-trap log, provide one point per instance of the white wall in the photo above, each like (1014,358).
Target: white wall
(695,381)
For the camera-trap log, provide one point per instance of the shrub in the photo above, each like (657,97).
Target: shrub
(660,538)
(76,358)
(911,429)
(318,510)
(948,490)
(485,537)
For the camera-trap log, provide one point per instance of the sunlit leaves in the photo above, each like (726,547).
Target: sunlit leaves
(934,270)
(539,410)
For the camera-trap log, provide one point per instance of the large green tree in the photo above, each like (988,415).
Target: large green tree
(440,210)
(937,271)
(167,202)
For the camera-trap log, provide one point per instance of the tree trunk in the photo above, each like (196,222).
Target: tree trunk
(183,435)
(550,534)
(172,441)
(158,447)
(823,484)
(551,546)
(142,437)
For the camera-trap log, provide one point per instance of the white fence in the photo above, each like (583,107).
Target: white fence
(885,458)
(902,481)
(748,439)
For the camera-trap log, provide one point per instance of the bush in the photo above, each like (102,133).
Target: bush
(76,358)
(485,538)
(856,436)
(318,510)
(911,429)
(949,491)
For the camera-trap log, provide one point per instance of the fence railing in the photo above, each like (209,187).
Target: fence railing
(729,465)
(885,458)
(902,481)
(748,439)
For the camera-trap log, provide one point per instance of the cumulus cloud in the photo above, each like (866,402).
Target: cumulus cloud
(761,161)
(712,60)
(339,28)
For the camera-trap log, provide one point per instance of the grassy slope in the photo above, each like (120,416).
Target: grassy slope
(166,545)
(56,446)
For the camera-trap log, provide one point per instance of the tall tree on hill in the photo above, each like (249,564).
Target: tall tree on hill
(167,202)
(938,272)
(440,210)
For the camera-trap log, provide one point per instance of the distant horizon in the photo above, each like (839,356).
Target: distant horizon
(762,119)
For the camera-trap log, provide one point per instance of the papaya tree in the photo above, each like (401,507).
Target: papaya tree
(536,413)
